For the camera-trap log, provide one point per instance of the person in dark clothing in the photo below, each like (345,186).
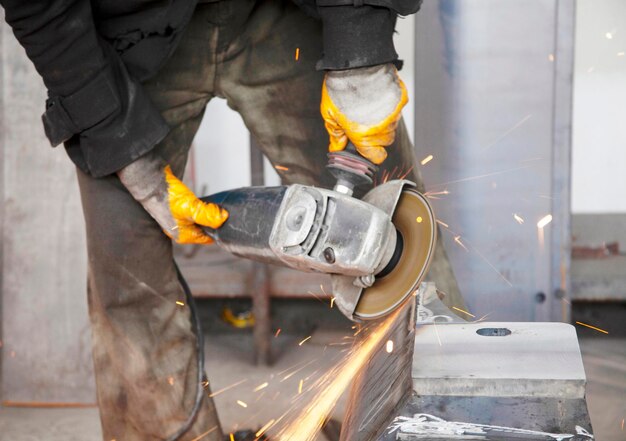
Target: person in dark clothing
(128,82)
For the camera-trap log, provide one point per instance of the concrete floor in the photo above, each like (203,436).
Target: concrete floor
(229,361)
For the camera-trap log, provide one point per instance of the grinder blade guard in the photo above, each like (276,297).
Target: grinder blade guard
(377,249)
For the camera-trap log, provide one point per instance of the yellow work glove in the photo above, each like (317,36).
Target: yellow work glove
(170,202)
(364,106)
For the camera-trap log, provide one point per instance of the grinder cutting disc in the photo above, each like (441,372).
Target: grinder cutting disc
(415,222)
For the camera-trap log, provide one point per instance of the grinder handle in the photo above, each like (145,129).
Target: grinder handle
(350,168)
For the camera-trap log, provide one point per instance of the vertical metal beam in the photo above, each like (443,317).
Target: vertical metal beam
(260,277)
(560,309)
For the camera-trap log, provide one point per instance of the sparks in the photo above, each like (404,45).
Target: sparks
(389,346)
(544,221)
(442,223)
(302,342)
(224,389)
(205,384)
(622,423)
(260,386)
(281,167)
(300,386)
(232,437)
(419,219)
(592,327)
(263,429)
(457,239)
(297,53)
(242,404)
(333,384)
(427,159)
(434,194)
(518,218)
(463,311)
(277,333)
(170,380)
(332,301)
(179,303)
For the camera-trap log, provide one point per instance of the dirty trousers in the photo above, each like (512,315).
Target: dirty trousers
(143,342)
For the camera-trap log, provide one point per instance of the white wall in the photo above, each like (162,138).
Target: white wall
(599,119)
(221,148)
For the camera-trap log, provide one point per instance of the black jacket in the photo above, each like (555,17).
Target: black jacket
(93,55)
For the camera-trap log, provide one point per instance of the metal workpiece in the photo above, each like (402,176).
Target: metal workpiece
(477,381)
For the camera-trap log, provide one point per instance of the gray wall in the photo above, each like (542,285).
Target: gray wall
(493,88)
(45,333)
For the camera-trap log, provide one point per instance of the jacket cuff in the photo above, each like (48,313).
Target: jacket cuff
(106,124)
(357,37)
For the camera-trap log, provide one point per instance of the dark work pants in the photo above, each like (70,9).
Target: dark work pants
(143,344)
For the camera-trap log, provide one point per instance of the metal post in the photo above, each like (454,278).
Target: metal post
(260,277)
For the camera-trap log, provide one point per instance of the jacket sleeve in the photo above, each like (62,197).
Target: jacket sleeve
(93,103)
(359,33)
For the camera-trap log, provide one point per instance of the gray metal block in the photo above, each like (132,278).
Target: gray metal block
(534,360)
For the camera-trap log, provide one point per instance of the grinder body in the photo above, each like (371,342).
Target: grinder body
(306,228)
(377,249)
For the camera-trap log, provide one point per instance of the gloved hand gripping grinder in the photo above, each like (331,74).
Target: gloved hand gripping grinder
(377,249)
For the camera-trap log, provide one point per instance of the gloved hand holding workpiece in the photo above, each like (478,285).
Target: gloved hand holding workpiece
(364,106)
(170,202)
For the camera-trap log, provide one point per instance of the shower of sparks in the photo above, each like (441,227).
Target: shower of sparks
(303,341)
(464,312)
(331,386)
(179,303)
(260,386)
(544,221)
(281,167)
(232,437)
(493,267)
(332,301)
(551,57)
(170,380)
(224,389)
(389,346)
(300,386)
(509,131)
(592,327)
(263,429)
(427,159)
(442,223)
(297,53)
(288,376)
(434,194)
(457,239)
(609,35)
(205,384)
(518,218)
(198,438)
(242,404)
(277,333)
(486,175)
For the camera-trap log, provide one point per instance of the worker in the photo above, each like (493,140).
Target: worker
(128,82)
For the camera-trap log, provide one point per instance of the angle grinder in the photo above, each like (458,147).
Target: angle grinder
(376,249)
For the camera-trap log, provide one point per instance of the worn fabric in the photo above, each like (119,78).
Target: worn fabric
(92,56)
(144,347)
